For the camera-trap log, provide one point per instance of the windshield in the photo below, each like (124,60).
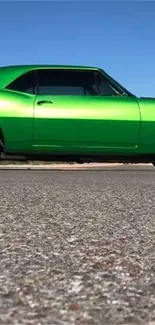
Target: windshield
(117,85)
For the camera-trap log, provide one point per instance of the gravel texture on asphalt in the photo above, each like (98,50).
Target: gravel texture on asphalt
(77,247)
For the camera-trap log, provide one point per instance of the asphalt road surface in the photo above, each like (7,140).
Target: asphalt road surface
(77,247)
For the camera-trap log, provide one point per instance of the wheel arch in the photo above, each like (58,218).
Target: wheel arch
(2,141)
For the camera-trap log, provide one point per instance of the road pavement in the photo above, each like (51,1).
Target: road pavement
(77,247)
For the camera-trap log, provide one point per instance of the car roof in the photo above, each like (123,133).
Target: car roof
(9,73)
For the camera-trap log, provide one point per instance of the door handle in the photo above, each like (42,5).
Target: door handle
(41,102)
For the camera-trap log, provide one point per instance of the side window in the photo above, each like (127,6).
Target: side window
(105,87)
(66,82)
(25,83)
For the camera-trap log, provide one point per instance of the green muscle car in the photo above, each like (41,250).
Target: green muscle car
(73,113)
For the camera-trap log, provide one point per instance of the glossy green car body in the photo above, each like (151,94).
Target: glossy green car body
(99,127)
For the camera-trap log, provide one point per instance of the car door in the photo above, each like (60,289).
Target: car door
(70,115)
(17,113)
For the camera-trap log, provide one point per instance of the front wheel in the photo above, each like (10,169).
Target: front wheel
(1,147)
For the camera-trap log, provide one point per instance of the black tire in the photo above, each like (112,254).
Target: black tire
(1,147)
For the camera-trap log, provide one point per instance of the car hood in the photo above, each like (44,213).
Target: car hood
(147,98)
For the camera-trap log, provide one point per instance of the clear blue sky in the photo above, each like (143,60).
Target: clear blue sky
(117,36)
